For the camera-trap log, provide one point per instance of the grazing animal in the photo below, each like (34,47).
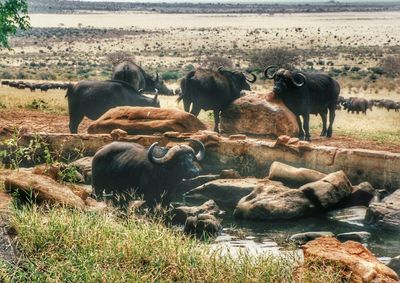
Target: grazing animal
(212,90)
(357,104)
(305,94)
(93,98)
(122,168)
(134,75)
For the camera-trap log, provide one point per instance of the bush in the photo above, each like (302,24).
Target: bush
(391,65)
(47,76)
(120,56)
(282,57)
(171,75)
(214,62)
(7,75)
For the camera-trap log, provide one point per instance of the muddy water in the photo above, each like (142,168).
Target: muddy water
(257,237)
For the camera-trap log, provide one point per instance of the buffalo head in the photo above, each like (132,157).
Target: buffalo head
(157,84)
(241,79)
(284,79)
(179,160)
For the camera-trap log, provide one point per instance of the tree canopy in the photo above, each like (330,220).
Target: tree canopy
(13,16)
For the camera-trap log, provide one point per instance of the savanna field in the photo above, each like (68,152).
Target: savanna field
(57,244)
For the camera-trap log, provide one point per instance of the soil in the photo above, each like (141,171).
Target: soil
(36,121)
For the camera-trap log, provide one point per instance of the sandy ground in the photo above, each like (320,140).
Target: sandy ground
(36,121)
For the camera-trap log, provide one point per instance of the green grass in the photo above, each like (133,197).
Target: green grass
(62,245)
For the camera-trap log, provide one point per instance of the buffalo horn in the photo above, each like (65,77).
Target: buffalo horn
(253,80)
(220,68)
(202,152)
(156,76)
(156,94)
(268,76)
(169,155)
(303,80)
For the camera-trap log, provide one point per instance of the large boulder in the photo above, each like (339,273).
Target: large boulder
(361,194)
(292,176)
(272,201)
(146,121)
(385,214)
(181,213)
(254,114)
(357,262)
(225,192)
(45,189)
(329,191)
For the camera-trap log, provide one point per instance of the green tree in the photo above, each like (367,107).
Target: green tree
(13,15)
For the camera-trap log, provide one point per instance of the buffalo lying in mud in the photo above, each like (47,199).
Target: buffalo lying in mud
(305,94)
(93,98)
(212,90)
(123,168)
(134,75)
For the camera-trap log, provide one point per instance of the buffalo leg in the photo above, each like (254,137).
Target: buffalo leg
(216,121)
(186,105)
(301,132)
(323,117)
(306,126)
(74,122)
(195,110)
(331,119)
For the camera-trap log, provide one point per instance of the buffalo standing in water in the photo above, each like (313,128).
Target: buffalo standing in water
(126,167)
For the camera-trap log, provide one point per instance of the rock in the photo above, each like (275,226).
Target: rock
(292,176)
(395,264)
(238,137)
(253,114)
(146,121)
(94,205)
(353,215)
(385,214)
(272,201)
(361,194)
(189,184)
(293,145)
(302,238)
(5,203)
(84,167)
(202,224)
(181,213)
(225,192)
(44,188)
(329,191)
(358,262)
(229,174)
(360,236)
(117,134)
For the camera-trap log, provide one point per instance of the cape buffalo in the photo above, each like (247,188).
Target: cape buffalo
(124,168)
(212,90)
(306,94)
(93,98)
(137,77)
(357,104)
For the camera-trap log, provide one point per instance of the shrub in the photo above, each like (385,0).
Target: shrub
(171,75)
(280,56)
(120,56)
(391,65)
(214,62)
